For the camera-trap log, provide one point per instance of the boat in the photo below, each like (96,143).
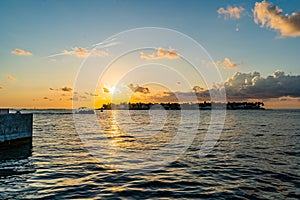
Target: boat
(84,110)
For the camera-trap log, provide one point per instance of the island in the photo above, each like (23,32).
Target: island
(185,106)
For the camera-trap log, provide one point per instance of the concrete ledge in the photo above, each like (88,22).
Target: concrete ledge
(15,127)
(9,144)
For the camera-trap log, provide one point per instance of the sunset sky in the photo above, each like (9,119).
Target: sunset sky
(254,44)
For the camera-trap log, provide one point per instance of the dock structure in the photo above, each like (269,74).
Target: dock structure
(14,127)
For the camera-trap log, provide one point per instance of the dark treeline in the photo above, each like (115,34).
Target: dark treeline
(185,106)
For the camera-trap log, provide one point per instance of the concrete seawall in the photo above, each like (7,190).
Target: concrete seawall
(15,127)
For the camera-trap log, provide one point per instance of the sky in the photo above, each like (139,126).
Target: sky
(253,44)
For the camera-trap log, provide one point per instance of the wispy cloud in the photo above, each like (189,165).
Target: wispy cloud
(111,42)
(101,53)
(1,86)
(160,53)
(231,12)
(91,50)
(10,78)
(91,94)
(270,16)
(227,64)
(21,52)
(81,52)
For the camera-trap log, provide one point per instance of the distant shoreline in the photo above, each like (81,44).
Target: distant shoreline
(185,106)
(169,106)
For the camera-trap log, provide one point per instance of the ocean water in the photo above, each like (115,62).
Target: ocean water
(257,155)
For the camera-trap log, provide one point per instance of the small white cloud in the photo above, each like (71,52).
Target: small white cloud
(231,12)
(237,28)
(227,64)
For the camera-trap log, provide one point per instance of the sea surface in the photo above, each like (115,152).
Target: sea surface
(257,156)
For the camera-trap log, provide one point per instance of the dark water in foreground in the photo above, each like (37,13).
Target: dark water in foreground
(257,156)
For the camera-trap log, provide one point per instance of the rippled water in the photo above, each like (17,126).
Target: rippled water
(256,156)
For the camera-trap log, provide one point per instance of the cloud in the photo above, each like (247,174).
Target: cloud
(64,89)
(198,89)
(10,78)
(21,52)
(78,98)
(106,90)
(101,53)
(1,87)
(81,52)
(227,64)
(75,98)
(231,12)
(47,98)
(237,28)
(108,43)
(160,53)
(241,87)
(140,89)
(66,52)
(252,85)
(270,16)
(91,94)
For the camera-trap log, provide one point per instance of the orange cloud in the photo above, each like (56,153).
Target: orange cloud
(1,87)
(231,12)
(227,64)
(106,90)
(81,52)
(270,16)
(66,52)
(160,53)
(10,78)
(21,52)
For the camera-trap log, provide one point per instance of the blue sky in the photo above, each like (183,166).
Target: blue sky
(45,27)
